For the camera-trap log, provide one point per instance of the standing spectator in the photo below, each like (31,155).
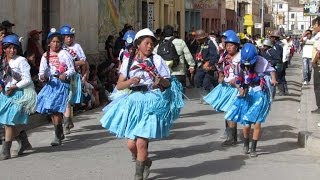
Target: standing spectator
(34,46)
(307,44)
(8,25)
(207,56)
(109,45)
(192,46)
(34,71)
(278,56)
(3,32)
(315,62)
(179,71)
(158,34)
(270,54)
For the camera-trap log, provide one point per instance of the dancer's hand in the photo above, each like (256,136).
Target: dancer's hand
(42,78)
(191,70)
(242,92)
(134,80)
(11,90)
(63,76)
(274,82)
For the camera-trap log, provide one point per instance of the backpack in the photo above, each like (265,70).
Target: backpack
(168,51)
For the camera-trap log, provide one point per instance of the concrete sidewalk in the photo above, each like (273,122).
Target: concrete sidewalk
(309,135)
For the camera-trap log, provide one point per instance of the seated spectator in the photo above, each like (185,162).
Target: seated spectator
(88,99)
(98,90)
(34,70)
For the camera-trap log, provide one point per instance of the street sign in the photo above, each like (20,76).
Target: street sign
(258,25)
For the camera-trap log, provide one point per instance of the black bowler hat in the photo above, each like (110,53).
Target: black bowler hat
(7,23)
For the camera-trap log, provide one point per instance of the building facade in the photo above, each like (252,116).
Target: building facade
(93,20)
(298,23)
(209,15)
(280,14)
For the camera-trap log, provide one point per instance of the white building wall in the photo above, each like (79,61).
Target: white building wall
(25,14)
(83,16)
(300,22)
(281,8)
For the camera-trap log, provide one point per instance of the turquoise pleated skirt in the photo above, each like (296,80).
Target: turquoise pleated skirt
(12,113)
(148,114)
(53,97)
(254,108)
(222,97)
(75,89)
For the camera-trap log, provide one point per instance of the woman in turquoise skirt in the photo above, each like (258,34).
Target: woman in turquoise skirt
(223,95)
(17,96)
(254,101)
(57,68)
(80,77)
(144,107)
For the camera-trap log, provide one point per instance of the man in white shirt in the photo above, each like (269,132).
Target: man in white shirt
(315,62)
(307,47)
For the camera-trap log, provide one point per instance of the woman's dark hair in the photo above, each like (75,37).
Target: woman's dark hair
(168,31)
(110,38)
(132,54)
(54,35)
(28,54)
(48,41)
(316,20)
(140,39)
(5,46)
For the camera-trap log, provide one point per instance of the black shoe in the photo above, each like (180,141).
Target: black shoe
(253,152)
(316,111)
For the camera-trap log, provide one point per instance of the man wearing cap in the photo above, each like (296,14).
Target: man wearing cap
(34,45)
(206,57)
(8,25)
(277,45)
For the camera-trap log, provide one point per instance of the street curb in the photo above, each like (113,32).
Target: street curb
(309,141)
(309,134)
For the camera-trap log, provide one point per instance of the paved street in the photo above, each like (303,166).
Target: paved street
(192,151)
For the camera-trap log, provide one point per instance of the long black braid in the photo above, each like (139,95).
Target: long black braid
(132,54)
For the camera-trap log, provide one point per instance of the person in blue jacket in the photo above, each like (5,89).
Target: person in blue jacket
(206,57)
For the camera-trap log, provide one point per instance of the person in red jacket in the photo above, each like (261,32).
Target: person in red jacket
(34,46)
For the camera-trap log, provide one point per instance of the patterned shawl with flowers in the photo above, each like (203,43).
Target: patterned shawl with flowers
(147,66)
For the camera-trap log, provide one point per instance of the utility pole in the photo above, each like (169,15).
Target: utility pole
(262,21)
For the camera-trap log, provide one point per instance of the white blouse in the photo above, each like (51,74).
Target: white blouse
(19,65)
(232,74)
(63,57)
(78,50)
(146,79)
